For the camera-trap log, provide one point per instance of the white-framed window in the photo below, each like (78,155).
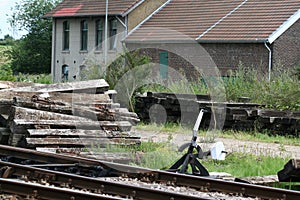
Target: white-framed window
(66,35)
(99,34)
(84,35)
(113,33)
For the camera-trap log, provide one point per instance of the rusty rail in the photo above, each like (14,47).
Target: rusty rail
(92,184)
(200,183)
(37,191)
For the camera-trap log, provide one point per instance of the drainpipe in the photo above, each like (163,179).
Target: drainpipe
(106,33)
(270,60)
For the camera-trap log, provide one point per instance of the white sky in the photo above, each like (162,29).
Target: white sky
(5,13)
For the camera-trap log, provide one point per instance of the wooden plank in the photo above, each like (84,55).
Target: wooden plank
(91,87)
(81,142)
(80,133)
(73,98)
(20,126)
(32,114)
(5,105)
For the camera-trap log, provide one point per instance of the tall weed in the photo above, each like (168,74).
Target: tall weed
(281,92)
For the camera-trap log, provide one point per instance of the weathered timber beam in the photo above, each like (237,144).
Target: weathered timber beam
(19,126)
(32,114)
(91,87)
(102,142)
(80,133)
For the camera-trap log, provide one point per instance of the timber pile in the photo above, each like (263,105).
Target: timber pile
(238,115)
(64,117)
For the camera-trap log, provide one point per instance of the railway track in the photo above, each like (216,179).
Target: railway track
(30,173)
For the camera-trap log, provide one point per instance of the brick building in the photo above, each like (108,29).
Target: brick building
(257,33)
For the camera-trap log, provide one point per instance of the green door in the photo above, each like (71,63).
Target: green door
(164,62)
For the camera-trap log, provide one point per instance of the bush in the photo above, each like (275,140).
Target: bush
(40,78)
(6,73)
(282,92)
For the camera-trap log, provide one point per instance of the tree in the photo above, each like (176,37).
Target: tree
(32,53)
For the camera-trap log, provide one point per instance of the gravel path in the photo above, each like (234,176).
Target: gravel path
(231,145)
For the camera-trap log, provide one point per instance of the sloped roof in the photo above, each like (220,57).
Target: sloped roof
(219,20)
(79,8)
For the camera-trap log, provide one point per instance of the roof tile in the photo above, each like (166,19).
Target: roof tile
(78,8)
(234,20)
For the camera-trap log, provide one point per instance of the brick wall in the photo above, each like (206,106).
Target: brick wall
(229,55)
(287,48)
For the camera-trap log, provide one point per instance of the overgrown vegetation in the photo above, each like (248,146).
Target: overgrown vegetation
(282,92)
(6,73)
(124,71)
(162,155)
(32,53)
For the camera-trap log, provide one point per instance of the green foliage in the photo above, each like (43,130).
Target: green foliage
(32,53)
(243,165)
(40,78)
(297,72)
(8,40)
(282,92)
(126,62)
(6,73)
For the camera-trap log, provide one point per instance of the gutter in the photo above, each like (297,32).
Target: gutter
(268,46)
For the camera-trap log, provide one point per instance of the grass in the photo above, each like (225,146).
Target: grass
(243,165)
(162,155)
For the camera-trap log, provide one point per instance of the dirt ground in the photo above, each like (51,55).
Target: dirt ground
(231,145)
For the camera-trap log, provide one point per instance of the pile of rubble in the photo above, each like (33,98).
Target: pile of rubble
(64,117)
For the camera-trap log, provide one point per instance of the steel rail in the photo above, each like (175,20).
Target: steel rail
(38,191)
(202,183)
(92,184)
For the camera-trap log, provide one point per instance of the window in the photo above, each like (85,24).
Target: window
(99,34)
(66,35)
(84,35)
(113,33)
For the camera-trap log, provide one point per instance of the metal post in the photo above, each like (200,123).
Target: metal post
(106,33)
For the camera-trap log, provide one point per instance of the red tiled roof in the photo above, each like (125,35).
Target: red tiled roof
(217,20)
(78,8)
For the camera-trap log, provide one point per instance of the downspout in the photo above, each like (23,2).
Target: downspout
(270,60)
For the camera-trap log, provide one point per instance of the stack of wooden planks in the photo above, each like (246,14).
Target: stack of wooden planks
(184,108)
(65,117)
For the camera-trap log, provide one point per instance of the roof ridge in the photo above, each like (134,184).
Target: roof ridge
(223,18)
(132,7)
(147,18)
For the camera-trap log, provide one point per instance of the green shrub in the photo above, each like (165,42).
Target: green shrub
(39,78)
(282,92)
(6,73)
